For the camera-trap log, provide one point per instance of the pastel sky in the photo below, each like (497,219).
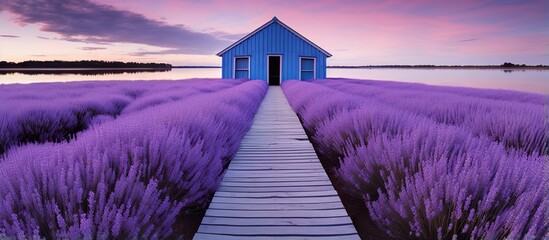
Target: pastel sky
(356,32)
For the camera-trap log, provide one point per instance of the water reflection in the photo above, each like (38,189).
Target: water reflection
(536,81)
(8,76)
(517,70)
(531,80)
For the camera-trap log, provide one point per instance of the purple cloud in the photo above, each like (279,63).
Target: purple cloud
(92,48)
(85,21)
(145,53)
(468,40)
(8,36)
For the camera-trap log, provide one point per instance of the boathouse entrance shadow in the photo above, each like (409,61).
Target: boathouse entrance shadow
(274,69)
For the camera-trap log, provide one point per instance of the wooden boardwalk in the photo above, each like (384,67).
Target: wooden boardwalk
(276,187)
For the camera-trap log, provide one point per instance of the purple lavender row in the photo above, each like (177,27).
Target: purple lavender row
(420,178)
(130,177)
(55,112)
(518,125)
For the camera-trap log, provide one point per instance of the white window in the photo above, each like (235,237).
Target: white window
(307,68)
(242,67)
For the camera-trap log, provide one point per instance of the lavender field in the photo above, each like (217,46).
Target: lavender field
(102,160)
(431,162)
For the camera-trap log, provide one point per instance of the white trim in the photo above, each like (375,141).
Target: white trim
(314,66)
(234,65)
(279,77)
(281,24)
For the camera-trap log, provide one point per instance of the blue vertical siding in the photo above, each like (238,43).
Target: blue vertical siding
(274,39)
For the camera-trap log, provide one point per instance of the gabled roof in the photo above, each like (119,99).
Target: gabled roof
(281,24)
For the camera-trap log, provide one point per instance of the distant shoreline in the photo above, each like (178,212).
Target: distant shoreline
(102,68)
(78,71)
(196,67)
(77,68)
(444,67)
(82,65)
(116,66)
(335,67)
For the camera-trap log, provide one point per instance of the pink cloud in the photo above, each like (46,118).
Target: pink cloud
(368,29)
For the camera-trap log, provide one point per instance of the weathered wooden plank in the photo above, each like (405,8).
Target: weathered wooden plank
(279,230)
(278,155)
(285,151)
(277,127)
(209,236)
(277,138)
(259,163)
(283,171)
(281,138)
(275,161)
(279,142)
(267,127)
(273,174)
(280,148)
(273,147)
(234,221)
(274,137)
(283,206)
(282,165)
(246,179)
(276,167)
(281,152)
(276,145)
(288,189)
(274,158)
(303,147)
(278,179)
(271,161)
(276,194)
(275,184)
(277,214)
(266,163)
(280,160)
(277,132)
(275,200)
(269,137)
(280,129)
(278,164)
(270,155)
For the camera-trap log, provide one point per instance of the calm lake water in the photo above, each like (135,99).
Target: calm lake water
(536,81)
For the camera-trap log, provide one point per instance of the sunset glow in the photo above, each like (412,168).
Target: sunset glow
(355,32)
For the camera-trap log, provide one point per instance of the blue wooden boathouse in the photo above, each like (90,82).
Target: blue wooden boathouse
(274,52)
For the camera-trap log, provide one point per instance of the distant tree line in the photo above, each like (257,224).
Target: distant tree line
(81,64)
(196,66)
(508,64)
(85,72)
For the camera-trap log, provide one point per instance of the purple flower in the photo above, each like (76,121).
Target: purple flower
(432,162)
(131,176)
